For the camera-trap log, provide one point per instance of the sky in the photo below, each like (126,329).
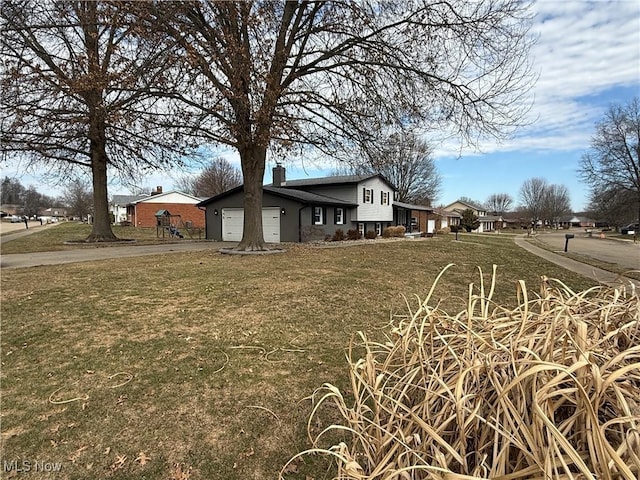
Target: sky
(587,58)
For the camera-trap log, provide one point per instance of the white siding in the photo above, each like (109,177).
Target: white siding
(374,212)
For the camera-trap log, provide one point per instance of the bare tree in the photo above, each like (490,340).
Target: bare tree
(532,198)
(216,178)
(407,162)
(328,74)
(556,203)
(613,206)
(79,85)
(613,162)
(186,183)
(78,198)
(499,203)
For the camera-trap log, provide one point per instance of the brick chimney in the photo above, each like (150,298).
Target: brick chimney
(279,175)
(157,191)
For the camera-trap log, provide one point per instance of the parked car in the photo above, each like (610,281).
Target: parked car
(16,219)
(630,229)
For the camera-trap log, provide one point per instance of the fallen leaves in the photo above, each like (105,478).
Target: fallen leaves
(119,463)
(142,459)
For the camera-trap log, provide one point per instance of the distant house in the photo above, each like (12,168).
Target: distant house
(118,206)
(488,223)
(576,221)
(312,209)
(53,214)
(182,206)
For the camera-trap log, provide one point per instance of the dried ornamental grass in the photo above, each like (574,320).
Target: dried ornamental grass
(548,390)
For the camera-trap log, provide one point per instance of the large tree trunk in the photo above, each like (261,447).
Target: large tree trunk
(253,164)
(101,231)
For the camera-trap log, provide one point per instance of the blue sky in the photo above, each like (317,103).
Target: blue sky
(587,57)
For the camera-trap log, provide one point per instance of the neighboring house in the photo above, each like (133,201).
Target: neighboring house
(118,206)
(309,209)
(446,219)
(142,213)
(11,209)
(415,218)
(53,214)
(576,221)
(488,223)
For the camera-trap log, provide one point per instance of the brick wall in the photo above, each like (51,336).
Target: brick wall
(146,213)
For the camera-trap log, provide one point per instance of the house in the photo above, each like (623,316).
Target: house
(576,221)
(53,214)
(445,218)
(415,218)
(309,209)
(184,207)
(118,206)
(488,223)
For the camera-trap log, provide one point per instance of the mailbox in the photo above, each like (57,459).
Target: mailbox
(567,236)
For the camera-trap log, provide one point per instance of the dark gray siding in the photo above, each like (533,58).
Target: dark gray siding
(296,223)
(288,220)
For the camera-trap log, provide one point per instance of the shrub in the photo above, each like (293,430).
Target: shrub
(444,230)
(353,234)
(397,231)
(546,390)
(455,228)
(338,236)
(370,234)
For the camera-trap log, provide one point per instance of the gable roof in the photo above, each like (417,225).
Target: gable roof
(294,194)
(466,204)
(160,195)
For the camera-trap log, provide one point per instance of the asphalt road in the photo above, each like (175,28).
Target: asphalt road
(90,254)
(624,253)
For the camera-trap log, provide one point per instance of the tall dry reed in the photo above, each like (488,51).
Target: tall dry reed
(548,390)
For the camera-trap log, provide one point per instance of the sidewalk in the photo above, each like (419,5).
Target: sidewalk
(602,276)
(22,231)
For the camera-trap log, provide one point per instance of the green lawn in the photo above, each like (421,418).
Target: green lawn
(201,365)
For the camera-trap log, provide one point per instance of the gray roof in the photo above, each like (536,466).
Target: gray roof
(410,206)
(306,197)
(333,180)
(126,199)
(299,195)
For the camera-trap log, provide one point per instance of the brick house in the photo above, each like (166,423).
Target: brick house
(142,213)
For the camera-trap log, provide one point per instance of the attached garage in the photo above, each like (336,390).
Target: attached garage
(233,224)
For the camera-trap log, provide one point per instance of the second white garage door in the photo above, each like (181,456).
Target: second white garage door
(233,224)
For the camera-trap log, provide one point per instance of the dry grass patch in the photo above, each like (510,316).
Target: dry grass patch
(548,389)
(207,338)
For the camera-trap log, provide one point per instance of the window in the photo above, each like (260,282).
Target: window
(361,229)
(384,198)
(339,216)
(367,195)
(318,215)
(378,229)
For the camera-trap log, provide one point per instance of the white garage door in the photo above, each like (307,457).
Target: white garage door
(233,224)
